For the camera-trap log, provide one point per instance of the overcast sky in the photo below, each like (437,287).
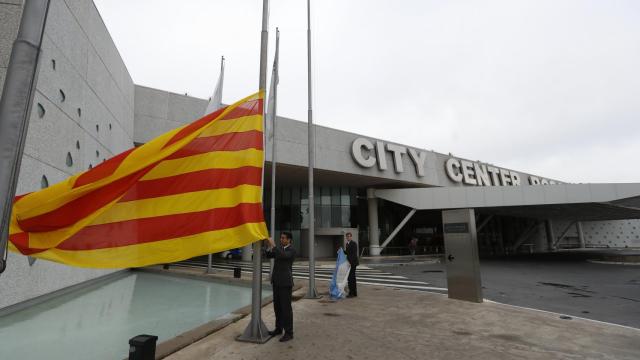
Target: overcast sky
(547,87)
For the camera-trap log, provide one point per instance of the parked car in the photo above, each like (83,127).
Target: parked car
(233,254)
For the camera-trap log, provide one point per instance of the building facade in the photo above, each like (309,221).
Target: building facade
(87,109)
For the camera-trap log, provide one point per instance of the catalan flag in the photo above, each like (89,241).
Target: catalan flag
(192,191)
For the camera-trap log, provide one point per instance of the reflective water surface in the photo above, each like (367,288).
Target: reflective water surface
(97,322)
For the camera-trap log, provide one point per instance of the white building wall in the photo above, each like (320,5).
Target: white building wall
(10,12)
(92,123)
(158,111)
(601,234)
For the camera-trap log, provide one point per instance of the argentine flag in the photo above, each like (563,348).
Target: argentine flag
(340,276)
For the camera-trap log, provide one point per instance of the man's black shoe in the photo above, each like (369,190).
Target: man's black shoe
(275,332)
(286,337)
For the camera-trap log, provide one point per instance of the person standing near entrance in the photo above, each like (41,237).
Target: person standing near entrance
(413,245)
(282,282)
(351,248)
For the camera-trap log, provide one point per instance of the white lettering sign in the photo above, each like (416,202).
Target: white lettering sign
(361,151)
(474,173)
(364,154)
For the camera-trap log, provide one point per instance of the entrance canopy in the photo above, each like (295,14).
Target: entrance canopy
(586,202)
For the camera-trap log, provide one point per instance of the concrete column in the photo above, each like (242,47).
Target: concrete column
(374,232)
(246,253)
(551,236)
(580,234)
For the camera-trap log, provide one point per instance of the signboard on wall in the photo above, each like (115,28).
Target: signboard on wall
(369,154)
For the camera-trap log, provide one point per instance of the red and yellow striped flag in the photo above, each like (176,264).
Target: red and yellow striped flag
(192,191)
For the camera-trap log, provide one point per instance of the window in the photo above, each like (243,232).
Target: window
(97,153)
(79,112)
(345,196)
(41,111)
(69,160)
(78,144)
(53,64)
(63,97)
(325,220)
(97,128)
(44,182)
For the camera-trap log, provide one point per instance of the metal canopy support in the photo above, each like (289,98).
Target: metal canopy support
(564,233)
(484,222)
(15,108)
(580,234)
(548,224)
(397,229)
(525,235)
(256,331)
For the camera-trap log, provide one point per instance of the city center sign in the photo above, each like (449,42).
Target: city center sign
(363,153)
(475,173)
(368,153)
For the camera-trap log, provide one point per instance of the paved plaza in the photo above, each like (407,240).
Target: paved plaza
(386,323)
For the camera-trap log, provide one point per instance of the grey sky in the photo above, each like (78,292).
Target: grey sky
(548,87)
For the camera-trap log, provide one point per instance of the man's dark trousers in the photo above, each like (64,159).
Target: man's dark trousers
(353,290)
(352,257)
(282,308)
(282,283)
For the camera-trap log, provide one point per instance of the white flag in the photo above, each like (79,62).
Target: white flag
(271,103)
(215,102)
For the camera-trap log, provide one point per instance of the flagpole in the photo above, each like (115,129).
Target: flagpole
(311,291)
(15,108)
(256,330)
(274,114)
(221,84)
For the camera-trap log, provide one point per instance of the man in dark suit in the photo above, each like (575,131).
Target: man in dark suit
(351,248)
(282,283)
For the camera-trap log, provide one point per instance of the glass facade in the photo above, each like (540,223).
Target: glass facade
(346,207)
(335,206)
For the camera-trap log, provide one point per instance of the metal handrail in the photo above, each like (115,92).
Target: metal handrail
(367,248)
(383,248)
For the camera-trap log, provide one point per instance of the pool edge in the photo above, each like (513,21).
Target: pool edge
(82,286)
(196,334)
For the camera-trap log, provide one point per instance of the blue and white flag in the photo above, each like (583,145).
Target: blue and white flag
(340,276)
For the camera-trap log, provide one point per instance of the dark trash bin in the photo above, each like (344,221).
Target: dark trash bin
(142,347)
(237,272)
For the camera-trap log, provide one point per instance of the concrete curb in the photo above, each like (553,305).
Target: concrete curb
(411,263)
(559,315)
(614,262)
(187,338)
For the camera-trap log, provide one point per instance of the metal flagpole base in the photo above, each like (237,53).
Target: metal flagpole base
(209,265)
(256,333)
(312,293)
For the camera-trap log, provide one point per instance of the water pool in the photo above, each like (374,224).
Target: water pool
(96,322)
